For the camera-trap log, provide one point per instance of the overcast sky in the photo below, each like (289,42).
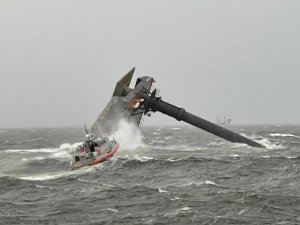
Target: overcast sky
(60,59)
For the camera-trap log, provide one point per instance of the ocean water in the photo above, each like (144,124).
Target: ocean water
(174,175)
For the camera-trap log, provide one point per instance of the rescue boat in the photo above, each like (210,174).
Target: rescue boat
(93,151)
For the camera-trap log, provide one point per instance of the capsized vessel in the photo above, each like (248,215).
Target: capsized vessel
(93,151)
(132,103)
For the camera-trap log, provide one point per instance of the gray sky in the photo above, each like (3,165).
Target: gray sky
(60,59)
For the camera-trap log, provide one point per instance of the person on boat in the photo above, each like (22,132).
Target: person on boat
(92,146)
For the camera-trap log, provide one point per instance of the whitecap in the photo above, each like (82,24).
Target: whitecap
(34,158)
(178,147)
(63,147)
(287,157)
(84,181)
(41,150)
(207,182)
(143,158)
(112,210)
(148,221)
(242,211)
(184,209)
(291,157)
(267,143)
(174,159)
(283,135)
(176,128)
(61,155)
(41,186)
(160,190)
(263,141)
(174,199)
(216,144)
(52,176)
(42,177)
(240,145)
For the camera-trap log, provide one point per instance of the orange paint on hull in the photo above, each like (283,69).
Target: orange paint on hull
(107,155)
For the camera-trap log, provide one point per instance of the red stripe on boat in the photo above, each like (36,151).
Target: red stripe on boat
(107,155)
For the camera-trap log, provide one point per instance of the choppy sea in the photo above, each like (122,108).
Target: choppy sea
(175,175)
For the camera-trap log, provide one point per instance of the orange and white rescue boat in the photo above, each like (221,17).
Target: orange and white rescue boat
(93,151)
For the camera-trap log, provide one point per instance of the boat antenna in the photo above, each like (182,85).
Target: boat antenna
(86,130)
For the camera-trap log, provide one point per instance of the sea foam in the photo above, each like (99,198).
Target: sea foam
(128,135)
(283,135)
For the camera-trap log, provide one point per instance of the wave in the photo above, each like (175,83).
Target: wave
(33,140)
(280,157)
(269,145)
(177,147)
(40,150)
(184,210)
(112,210)
(263,141)
(44,187)
(160,190)
(145,162)
(217,144)
(56,175)
(228,144)
(34,158)
(143,158)
(283,135)
(207,182)
(128,135)
(63,152)
(174,159)
(62,147)
(59,155)
(42,177)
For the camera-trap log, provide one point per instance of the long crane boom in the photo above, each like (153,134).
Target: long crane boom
(157,104)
